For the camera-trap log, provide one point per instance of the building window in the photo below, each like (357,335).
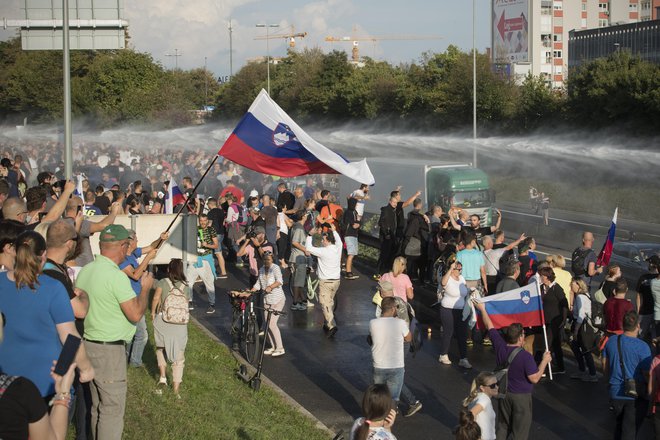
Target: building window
(557,5)
(558,70)
(584,6)
(633,7)
(603,7)
(603,22)
(556,37)
(546,40)
(557,53)
(583,23)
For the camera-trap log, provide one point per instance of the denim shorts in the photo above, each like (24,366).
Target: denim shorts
(351,245)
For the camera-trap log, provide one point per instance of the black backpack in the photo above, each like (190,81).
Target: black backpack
(502,372)
(578,259)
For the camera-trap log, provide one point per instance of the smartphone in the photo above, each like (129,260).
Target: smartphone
(67,355)
(79,209)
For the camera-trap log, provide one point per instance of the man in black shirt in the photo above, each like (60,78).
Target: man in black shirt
(286,199)
(217,217)
(475,225)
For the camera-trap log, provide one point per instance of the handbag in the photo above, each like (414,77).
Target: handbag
(413,247)
(630,385)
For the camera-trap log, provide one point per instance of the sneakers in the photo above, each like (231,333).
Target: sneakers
(302,307)
(444,359)
(351,276)
(269,351)
(278,352)
(556,372)
(239,264)
(211,309)
(464,363)
(413,409)
(579,376)
(470,342)
(376,277)
(191,306)
(309,304)
(487,342)
(222,276)
(294,306)
(332,332)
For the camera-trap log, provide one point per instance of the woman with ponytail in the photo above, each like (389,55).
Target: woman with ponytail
(379,415)
(38,316)
(467,428)
(479,405)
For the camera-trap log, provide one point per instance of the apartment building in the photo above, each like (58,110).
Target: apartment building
(532,35)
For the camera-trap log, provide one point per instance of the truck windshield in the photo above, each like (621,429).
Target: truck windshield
(470,199)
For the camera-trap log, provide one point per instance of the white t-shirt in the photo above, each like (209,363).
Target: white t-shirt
(359,206)
(455,293)
(486,418)
(387,335)
(284,229)
(492,257)
(581,308)
(329,258)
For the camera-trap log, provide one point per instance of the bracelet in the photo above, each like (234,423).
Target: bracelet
(60,398)
(64,403)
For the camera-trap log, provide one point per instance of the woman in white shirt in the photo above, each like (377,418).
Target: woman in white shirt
(270,282)
(451,314)
(484,388)
(582,317)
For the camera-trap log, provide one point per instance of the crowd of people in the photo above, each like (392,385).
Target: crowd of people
(52,286)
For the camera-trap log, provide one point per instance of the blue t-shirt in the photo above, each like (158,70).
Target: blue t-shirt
(91,210)
(31,342)
(132,260)
(472,260)
(636,359)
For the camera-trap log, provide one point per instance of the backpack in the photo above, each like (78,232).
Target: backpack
(175,306)
(578,259)
(502,371)
(242,218)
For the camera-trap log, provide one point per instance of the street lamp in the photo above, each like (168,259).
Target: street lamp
(267,26)
(474,84)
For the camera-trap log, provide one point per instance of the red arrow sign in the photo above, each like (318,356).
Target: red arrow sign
(511,24)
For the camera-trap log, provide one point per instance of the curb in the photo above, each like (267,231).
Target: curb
(290,400)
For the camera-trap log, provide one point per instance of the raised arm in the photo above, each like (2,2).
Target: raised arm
(484,314)
(412,199)
(499,222)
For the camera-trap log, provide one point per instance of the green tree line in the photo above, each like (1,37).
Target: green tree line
(435,92)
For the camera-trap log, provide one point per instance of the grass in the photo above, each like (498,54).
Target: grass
(637,202)
(215,404)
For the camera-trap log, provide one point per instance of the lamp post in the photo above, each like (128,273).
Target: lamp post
(206,86)
(474,84)
(267,26)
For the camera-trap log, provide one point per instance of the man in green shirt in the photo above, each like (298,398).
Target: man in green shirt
(109,325)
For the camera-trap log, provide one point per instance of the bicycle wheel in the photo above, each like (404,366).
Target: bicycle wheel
(290,283)
(251,340)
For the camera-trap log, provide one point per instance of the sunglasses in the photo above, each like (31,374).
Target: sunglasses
(266,253)
(492,386)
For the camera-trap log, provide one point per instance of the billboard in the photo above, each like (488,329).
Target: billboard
(510,28)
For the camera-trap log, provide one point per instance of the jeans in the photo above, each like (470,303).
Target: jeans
(202,269)
(392,377)
(629,417)
(386,255)
(452,323)
(139,342)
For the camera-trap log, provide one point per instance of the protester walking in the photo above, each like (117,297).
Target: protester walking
(170,330)
(484,388)
(514,416)
(329,272)
(627,358)
(455,293)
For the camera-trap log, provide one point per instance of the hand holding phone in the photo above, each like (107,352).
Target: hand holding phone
(67,355)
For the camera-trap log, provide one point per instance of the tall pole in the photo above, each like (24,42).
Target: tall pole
(474,84)
(68,150)
(231,52)
(267,26)
(176,58)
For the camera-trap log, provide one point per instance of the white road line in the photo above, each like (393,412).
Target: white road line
(553,218)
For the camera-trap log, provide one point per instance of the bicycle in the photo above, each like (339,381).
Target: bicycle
(311,283)
(244,324)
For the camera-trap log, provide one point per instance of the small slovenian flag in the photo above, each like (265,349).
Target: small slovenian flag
(173,197)
(521,305)
(79,186)
(606,253)
(268,141)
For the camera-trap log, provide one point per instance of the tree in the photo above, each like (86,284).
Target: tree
(536,103)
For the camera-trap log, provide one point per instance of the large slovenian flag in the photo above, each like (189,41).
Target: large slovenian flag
(521,305)
(606,252)
(267,140)
(173,197)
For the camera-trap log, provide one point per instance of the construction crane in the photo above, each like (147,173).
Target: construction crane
(290,35)
(355,55)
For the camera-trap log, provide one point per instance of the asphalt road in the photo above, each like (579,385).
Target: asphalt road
(328,377)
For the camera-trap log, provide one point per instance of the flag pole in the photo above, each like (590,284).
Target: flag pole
(192,194)
(545,333)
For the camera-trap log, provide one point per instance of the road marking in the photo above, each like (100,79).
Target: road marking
(553,218)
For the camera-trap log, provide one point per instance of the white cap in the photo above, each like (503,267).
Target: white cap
(254,193)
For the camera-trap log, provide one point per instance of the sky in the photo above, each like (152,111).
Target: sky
(199,28)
